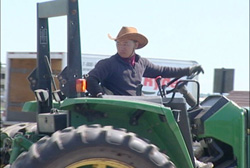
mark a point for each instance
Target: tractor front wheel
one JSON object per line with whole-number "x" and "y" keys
{"x": 93, "y": 147}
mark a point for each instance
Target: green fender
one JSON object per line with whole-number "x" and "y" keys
{"x": 228, "y": 125}
{"x": 156, "y": 124}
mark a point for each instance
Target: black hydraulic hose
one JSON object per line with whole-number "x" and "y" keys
{"x": 217, "y": 152}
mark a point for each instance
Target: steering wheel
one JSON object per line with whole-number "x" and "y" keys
{"x": 180, "y": 85}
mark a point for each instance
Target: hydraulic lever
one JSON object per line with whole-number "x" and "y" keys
{"x": 191, "y": 101}
{"x": 50, "y": 72}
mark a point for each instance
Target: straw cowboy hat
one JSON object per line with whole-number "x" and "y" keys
{"x": 130, "y": 33}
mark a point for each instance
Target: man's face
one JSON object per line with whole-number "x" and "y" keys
{"x": 126, "y": 48}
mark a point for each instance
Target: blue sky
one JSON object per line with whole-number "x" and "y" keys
{"x": 215, "y": 33}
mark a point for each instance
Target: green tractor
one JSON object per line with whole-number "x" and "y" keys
{"x": 74, "y": 130}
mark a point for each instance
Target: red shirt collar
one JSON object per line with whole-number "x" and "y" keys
{"x": 130, "y": 60}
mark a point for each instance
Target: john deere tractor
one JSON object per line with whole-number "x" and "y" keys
{"x": 75, "y": 130}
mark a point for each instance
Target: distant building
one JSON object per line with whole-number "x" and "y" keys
{"x": 2, "y": 86}
{"x": 240, "y": 97}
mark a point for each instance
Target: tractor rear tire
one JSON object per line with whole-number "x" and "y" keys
{"x": 92, "y": 146}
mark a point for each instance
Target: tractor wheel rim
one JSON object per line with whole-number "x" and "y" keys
{"x": 99, "y": 163}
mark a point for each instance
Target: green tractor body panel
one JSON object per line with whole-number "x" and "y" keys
{"x": 157, "y": 123}
{"x": 228, "y": 125}
{"x": 248, "y": 149}
{"x": 248, "y": 135}
{"x": 31, "y": 106}
{"x": 154, "y": 122}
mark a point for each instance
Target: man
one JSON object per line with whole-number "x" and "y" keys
{"x": 123, "y": 72}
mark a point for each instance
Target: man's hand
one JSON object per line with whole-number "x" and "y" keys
{"x": 196, "y": 69}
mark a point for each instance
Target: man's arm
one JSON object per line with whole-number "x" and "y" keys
{"x": 153, "y": 70}
{"x": 101, "y": 71}
{"x": 93, "y": 86}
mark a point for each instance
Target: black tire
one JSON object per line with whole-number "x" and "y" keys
{"x": 71, "y": 145}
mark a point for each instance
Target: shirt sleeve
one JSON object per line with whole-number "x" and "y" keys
{"x": 101, "y": 71}
{"x": 152, "y": 71}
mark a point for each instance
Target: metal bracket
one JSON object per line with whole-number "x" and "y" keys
{"x": 136, "y": 116}
{"x": 18, "y": 144}
{"x": 32, "y": 78}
